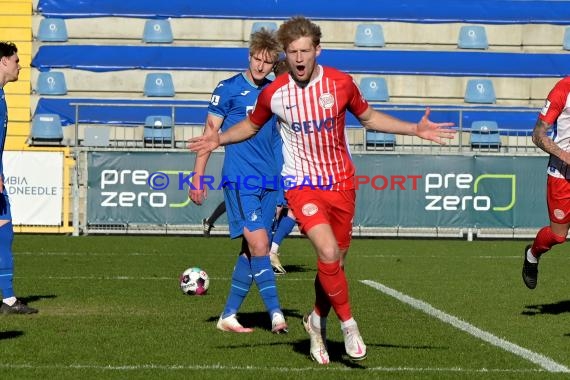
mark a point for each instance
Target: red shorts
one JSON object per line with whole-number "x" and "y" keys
{"x": 558, "y": 199}
{"x": 335, "y": 208}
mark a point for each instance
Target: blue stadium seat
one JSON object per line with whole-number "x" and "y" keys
{"x": 51, "y": 83}
{"x": 374, "y": 89}
{"x": 369, "y": 35}
{"x": 158, "y": 130}
{"x": 159, "y": 84}
{"x": 472, "y": 37}
{"x": 566, "y": 43}
{"x": 480, "y": 91}
{"x": 52, "y": 30}
{"x": 485, "y": 135}
{"x": 157, "y": 31}
{"x": 380, "y": 141}
{"x": 46, "y": 129}
{"x": 258, "y": 25}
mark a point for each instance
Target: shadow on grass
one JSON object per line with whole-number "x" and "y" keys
{"x": 260, "y": 320}
{"x": 335, "y": 349}
{"x": 10, "y": 334}
{"x": 37, "y": 297}
{"x": 548, "y": 308}
{"x": 298, "y": 268}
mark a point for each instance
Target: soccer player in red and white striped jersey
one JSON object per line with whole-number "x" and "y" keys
{"x": 555, "y": 114}
{"x": 311, "y": 102}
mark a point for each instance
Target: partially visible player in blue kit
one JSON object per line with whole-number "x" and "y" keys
{"x": 9, "y": 71}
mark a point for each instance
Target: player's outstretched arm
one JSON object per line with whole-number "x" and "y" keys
{"x": 425, "y": 128}
{"x": 541, "y": 139}
{"x": 206, "y": 143}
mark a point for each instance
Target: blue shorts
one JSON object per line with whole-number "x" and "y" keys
{"x": 249, "y": 208}
{"x": 5, "y": 213}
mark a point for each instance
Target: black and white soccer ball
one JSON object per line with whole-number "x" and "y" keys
{"x": 194, "y": 281}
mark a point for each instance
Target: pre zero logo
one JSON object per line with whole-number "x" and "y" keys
{"x": 462, "y": 191}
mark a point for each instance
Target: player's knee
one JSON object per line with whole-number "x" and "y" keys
{"x": 329, "y": 253}
{"x": 258, "y": 247}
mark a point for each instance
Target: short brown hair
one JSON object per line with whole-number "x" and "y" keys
{"x": 264, "y": 40}
{"x": 297, "y": 27}
{"x": 7, "y": 49}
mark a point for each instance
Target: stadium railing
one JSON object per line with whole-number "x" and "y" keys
{"x": 125, "y": 120}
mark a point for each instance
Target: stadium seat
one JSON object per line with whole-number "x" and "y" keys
{"x": 374, "y": 89}
{"x": 157, "y": 31}
{"x": 46, "y": 129}
{"x": 51, "y": 83}
{"x": 480, "y": 91}
{"x": 566, "y": 43}
{"x": 52, "y": 30}
{"x": 472, "y": 37}
{"x": 485, "y": 135}
{"x": 258, "y": 25}
{"x": 158, "y": 130}
{"x": 369, "y": 35}
{"x": 380, "y": 141}
{"x": 159, "y": 84}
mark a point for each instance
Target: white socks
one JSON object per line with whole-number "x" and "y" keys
{"x": 530, "y": 257}
{"x": 318, "y": 322}
{"x": 274, "y": 248}
{"x": 348, "y": 323}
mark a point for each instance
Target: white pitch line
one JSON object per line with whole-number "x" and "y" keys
{"x": 220, "y": 367}
{"x": 539, "y": 359}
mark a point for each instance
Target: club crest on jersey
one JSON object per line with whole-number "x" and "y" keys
{"x": 326, "y": 101}
{"x": 309, "y": 209}
{"x": 545, "y": 108}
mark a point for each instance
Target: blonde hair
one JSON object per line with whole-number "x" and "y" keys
{"x": 297, "y": 27}
{"x": 264, "y": 40}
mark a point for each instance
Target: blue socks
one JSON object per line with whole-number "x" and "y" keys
{"x": 284, "y": 228}
{"x": 6, "y": 260}
{"x": 241, "y": 282}
{"x": 265, "y": 279}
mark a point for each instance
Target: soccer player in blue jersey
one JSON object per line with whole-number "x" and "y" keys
{"x": 250, "y": 177}
{"x": 9, "y": 71}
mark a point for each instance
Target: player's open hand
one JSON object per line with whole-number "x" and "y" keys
{"x": 436, "y": 132}
{"x": 206, "y": 143}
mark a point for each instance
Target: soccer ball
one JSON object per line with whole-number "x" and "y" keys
{"x": 194, "y": 281}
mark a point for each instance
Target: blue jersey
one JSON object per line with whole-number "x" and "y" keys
{"x": 3, "y": 126}
{"x": 254, "y": 159}
{"x": 5, "y": 213}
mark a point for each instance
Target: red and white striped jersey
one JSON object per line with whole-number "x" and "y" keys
{"x": 312, "y": 125}
{"x": 556, "y": 111}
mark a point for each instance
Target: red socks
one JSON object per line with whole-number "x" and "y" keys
{"x": 544, "y": 240}
{"x": 333, "y": 290}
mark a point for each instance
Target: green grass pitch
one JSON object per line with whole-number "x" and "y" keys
{"x": 110, "y": 308}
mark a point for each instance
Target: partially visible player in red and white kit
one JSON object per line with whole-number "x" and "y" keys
{"x": 555, "y": 114}
{"x": 311, "y": 102}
